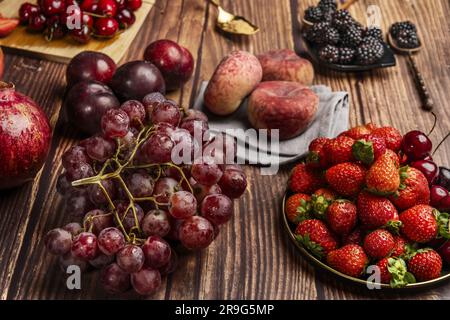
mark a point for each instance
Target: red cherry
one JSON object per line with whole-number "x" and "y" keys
{"x": 107, "y": 8}
{"x": 26, "y": 10}
{"x": 37, "y": 22}
{"x": 52, "y": 7}
{"x": 444, "y": 204}
{"x": 106, "y": 27}
{"x": 133, "y": 5}
{"x": 120, "y": 4}
{"x": 125, "y": 17}
{"x": 416, "y": 145}
{"x": 429, "y": 169}
{"x": 89, "y": 6}
{"x": 82, "y": 35}
{"x": 437, "y": 193}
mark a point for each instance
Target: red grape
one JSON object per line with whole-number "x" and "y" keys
{"x": 201, "y": 191}
{"x": 77, "y": 202}
{"x": 115, "y": 123}
{"x": 58, "y": 241}
{"x": 206, "y": 174}
{"x": 164, "y": 188}
{"x": 84, "y": 246}
{"x": 96, "y": 194}
{"x": 156, "y": 223}
{"x": 114, "y": 279}
{"x": 74, "y": 156}
{"x": 196, "y": 128}
{"x": 156, "y": 251}
{"x": 146, "y": 281}
{"x": 158, "y": 148}
{"x": 127, "y": 217}
{"x": 171, "y": 265}
{"x": 99, "y": 148}
{"x": 79, "y": 171}
{"x": 135, "y": 111}
{"x": 130, "y": 258}
{"x": 110, "y": 240}
{"x": 217, "y": 208}
{"x": 140, "y": 184}
{"x": 69, "y": 259}
{"x": 182, "y": 204}
{"x": 74, "y": 228}
{"x": 166, "y": 112}
{"x": 196, "y": 233}
{"x": 193, "y": 114}
{"x": 63, "y": 185}
{"x": 97, "y": 220}
{"x": 151, "y": 100}
{"x": 233, "y": 183}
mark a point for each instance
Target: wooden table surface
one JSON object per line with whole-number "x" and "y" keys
{"x": 252, "y": 258}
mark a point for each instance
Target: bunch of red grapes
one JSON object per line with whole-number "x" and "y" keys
{"x": 134, "y": 205}
{"x": 100, "y": 18}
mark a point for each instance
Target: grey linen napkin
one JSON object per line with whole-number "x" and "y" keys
{"x": 331, "y": 119}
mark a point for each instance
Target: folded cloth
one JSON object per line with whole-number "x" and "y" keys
{"x": 330, "y": 120}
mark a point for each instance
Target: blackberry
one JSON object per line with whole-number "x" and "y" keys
{"x": 370, "y": 41}
{"x": 313, "y": 14}
{"x": 374, "y": 32}
{"x": 407, "y": 39}
{"x": 351, "y": 37}
{"x": 327, "y": 5}
{"x": 329, "y": 53}
{"x": 346, "y": 55}
{"x": 343, "y": 20}
{"x": 328, "y": 36}
{"x": 368, "y": 54}
{"x": 315, "y": 32}
{"x": 402, "y": 26}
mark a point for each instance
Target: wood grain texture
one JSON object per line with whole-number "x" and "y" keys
{"x": 62, "y": 50}
{"x": 252, "y": 258}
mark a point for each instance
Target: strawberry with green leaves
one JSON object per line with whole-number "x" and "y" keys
{"x": 339, "y": 150}
{"x": 376, "y": 212}
{"x": 383, "y": 177}
{"x": 399, "y": 247}
{"x": 317, "y": 157}
{"x": 368, "y": 149}
{"x": 413, "y": 189}
{"x": 321, "y": 199}
{"x": 379, "y": 244}
{"x": 305, "y": 180}
{"x": 298, "y": 207}
{"x": 425, "y": 264}
{"x": 346, "y": 178}
{"x": 394, "y": 271}
{"x": 419, "y": 223}
{"x": 392, "y": 137}
{"x": 315, "y": 236}
{"x": 341, "y": 216}
{"x": 354, "y": 237}
{"x": 349, "y": 259}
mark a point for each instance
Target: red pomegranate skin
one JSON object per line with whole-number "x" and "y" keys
{"x": 25, "y": 137}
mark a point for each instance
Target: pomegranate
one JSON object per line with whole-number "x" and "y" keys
{"x": 25, "y": 137}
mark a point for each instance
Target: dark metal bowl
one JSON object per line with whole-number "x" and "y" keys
{"x": 289, "y": 227}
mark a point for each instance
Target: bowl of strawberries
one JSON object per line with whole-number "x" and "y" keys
{"x": 370, "y": 206}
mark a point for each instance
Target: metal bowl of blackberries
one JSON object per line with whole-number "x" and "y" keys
{"x": 334, "y": 39}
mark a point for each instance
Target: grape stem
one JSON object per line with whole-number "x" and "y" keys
{"x": 104, "y": 174}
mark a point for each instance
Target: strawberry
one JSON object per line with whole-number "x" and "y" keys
{"x": 383, "y": 177}
{"x": 355, "y": 237}
{"x": 341, "y": 216}
{"x": 413, "y": 189}
{"x": 305, "y": 180}
{"x": 391, "y": 136}
{"x": 315, "y": 236}
{"x": 298, "y": 207}
{"x": 419, "y": 223}
{"x": 321, "y": 199}
{"x": 379, "y": 243}
{"x": 346, "y": 178}
{"x": 7, "y": 26}
{"x": 399, "y": 247}
{"x": 359, "y": 132}
{"x": 368, "y": 149}
{"x": 376, "y": 212}
{"x": 425, "y": 265}
{"x": 394, "y": 272}
{"x": 350, "y": 259}
{"x": 339, "y": 150}
{"x": 317, "y": 157}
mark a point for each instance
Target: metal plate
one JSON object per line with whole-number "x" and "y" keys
{"x": 289, "y": 228}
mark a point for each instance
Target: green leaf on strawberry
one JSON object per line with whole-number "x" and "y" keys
{"x": 363, "y": 151}
{"x": 442, "y": 220}
{"x": 311, "y": 246}
{"x": 400, "y": 276}
{"x": 303, "y": 211}
{"x": 319, "y": 205}
{"x": 403, "y": 171}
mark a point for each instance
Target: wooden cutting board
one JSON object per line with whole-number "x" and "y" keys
{"x": 62, "y": 50}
